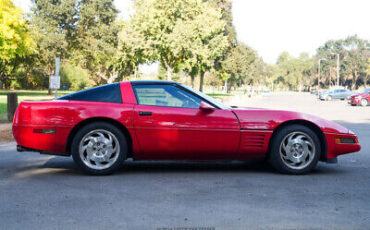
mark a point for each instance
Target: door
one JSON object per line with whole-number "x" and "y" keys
{"x": 336, "y": 94}
{"x": 169, "y": 125}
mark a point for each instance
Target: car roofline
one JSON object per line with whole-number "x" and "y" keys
{"x": 154, "y": 82}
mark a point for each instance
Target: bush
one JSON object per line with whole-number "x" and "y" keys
{"x": 73, "y": 77}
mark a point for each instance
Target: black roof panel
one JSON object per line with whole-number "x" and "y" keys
{"x": 152, "y": 82}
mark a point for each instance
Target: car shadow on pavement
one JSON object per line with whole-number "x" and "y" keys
{"x": 67, "y": 166}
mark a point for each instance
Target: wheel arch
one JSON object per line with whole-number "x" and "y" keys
{"x": 308, "y": 124}
{"x": 116, "y": 123}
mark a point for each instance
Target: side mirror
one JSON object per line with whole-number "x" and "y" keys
{"x": 206, "y": 107}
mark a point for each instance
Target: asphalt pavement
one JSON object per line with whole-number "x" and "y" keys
{"x": 49, "y": 192}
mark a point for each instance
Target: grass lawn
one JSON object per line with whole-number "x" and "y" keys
{"x": 3, "y": 104}
{"x": 32, "y": 92}
{"x": 219, "y": 95}
{"x": 24, "y": 95}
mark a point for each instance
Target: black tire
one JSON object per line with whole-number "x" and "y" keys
{"x": 364, "y": 102}
{"x": 275, "y": 158}
{"x": 109, "y": 128}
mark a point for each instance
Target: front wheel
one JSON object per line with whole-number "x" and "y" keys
{"x": 295, "y": 149}
{"x": 364, "y": 102}
{"x": 99, "y": 148}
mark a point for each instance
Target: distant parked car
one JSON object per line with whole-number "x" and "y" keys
{"x": 362, "y": 98}
{"x": 313, "y": 91}
{"x": 266, "y": 92}
{"x": 335, "y": 94}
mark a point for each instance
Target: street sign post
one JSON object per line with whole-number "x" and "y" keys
{"x": 54, "y": 81}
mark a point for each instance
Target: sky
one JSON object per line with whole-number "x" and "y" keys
{"x": 274, "y": 26}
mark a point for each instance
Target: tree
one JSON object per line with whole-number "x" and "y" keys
{"x": 84, "y": 32}
{"x": 294, "y": 72}
{"x": 206, "y": 40}
{"x": 53, "y": 27}
{"x": 97, "y": 39}
{"x": 177, "y": 31}
{"x": 15, "y": 42}
{"x": 132, "y": 49}
{"x": 353, "y": 53}
{"x": 238, "y": 63}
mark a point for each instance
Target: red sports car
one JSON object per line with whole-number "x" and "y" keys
{"x": 362, "y": 98}
{"x": 163, "y": 120}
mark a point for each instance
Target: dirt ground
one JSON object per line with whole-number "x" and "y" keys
{"x": 6, "y": 133}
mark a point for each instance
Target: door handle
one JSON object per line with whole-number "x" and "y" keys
{"x": 145, "y": 113}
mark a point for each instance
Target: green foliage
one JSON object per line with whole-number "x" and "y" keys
{"x": 293, "y": 72}
{"x": 175, "y": 32}
{"x": 238, "y": 64}
{"x": 73, "y": 77}
{"x": 353, "y": 54}
{"x": 82, "y": 32}
{"x": 15, "y": 42}
{"x": 96, "y": 39}
{"x": 192, "y": 38}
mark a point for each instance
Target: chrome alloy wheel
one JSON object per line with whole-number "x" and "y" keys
{"x": 297, "y": 150}
{"x": 99, "y": 149}
{"x": 363, "y": 102}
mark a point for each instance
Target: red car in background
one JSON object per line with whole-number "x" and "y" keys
{"x": 362, "y": 98}
{"x": 163, "y": 120}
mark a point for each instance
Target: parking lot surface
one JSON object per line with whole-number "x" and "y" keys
{"x": 49, "y": 192}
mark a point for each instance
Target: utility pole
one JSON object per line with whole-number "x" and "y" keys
{"x": 319, "y": 79}
{"x": 337, "y": 68}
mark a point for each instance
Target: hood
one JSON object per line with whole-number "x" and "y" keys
{"x": 267, "y": 119}
{"x": 357, "y": 95}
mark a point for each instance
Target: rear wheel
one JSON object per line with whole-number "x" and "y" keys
{"x": 99, "y": 148}
{"x": 364, "y": 102}
{"x": 295, "y": 149}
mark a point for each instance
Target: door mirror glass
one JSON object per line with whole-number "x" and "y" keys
{"x": 205, "y": 106}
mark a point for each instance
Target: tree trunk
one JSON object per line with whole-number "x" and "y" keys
{"x": 169, "y": 73}
{"x": 201, "y": 81}
{"x": 225, "y": 87}
{"x": 192, "y": 81}
{"x": 1, "y": 84}
{"x": 353, "y": 86}
{"x": 135, "y": 73}
{"x": 229, "y": 87}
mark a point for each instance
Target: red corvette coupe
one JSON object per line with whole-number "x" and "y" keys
{"x": 162, "y": 120}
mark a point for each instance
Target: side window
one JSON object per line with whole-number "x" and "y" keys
{"x": 106, "y": 93}
{"x": 336, "y": 91}
{"x": 165, "y": 95}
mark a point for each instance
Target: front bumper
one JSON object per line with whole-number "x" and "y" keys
{"x": 334, "y": 149}
{"x": 354, "y": 101}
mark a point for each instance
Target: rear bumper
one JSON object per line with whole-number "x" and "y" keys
{"x": 334, "y": 149}
{"x": 29, "y": 138}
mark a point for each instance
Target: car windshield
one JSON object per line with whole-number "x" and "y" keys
{"x": 208, "y": 98}
{"x": 364, "y": 90}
